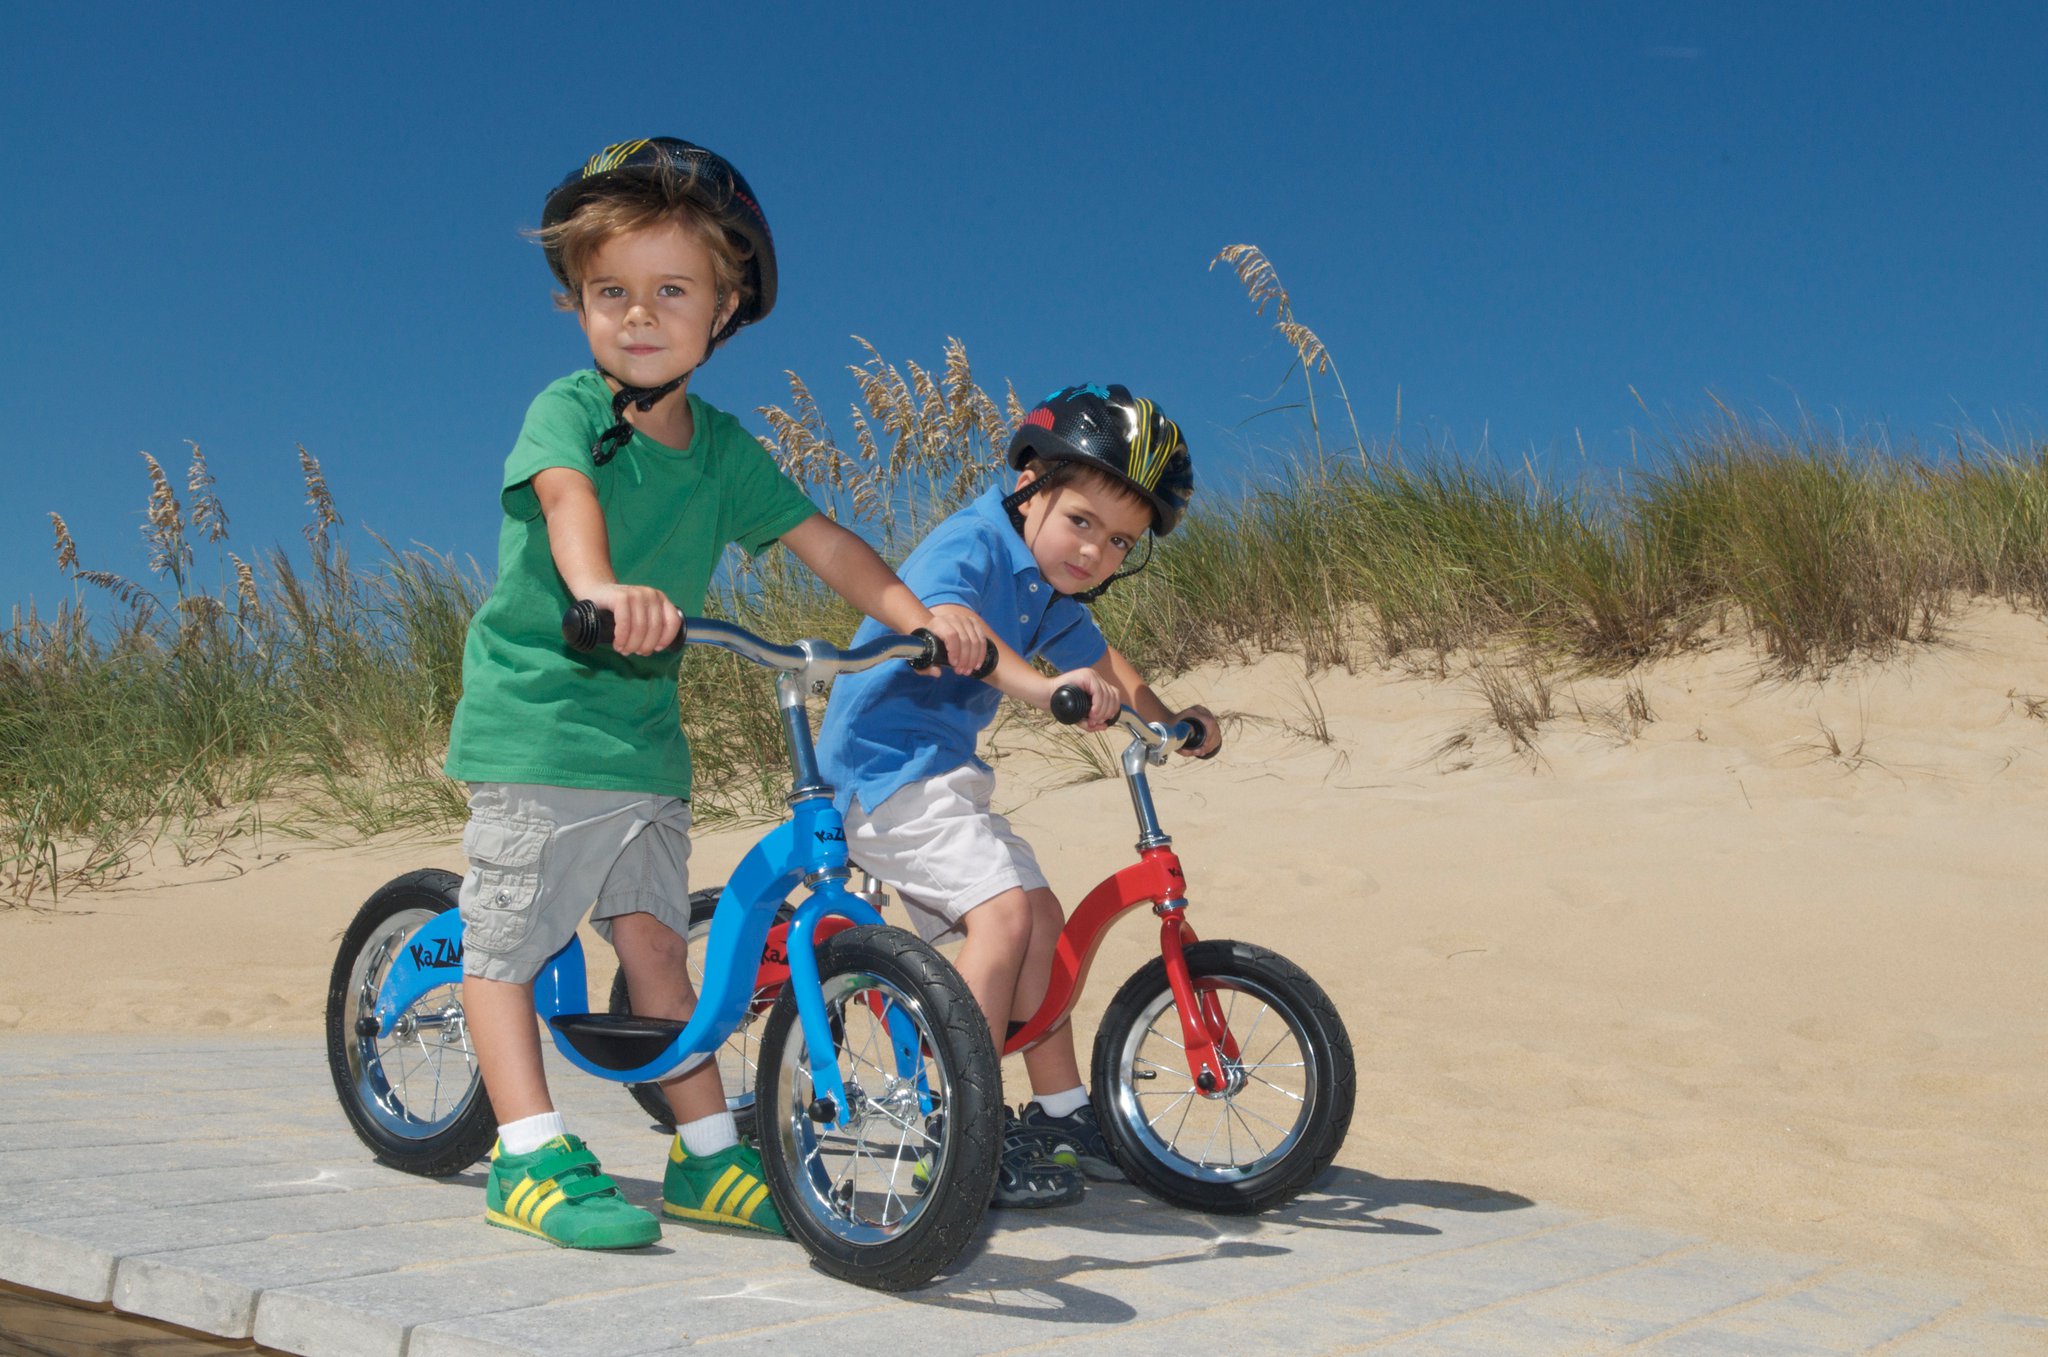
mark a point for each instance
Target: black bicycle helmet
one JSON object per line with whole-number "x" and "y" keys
{"x": 1111, "y": 430}
{"x": 710, "y": 181}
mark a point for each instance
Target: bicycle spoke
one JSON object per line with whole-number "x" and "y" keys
{"x": 1270, "y": 1049}
{"x": 1244, "y": 1113}
{"x": 1207, "y": 1145}
{"x": 1283, "y": 1092}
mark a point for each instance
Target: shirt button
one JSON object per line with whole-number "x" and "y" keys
{"x": 1024, "y": 617}
{"x": 1034, "y": 588}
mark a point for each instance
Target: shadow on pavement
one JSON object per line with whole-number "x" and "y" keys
{"x": 993, "y": 1282}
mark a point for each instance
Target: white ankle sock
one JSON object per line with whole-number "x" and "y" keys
{"x": 1063, "y": 1104}
{"x": 530, "y": 1133}
{"x": 709, "y": 1135}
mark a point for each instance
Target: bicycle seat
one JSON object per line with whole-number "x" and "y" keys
{"x": 617, "y": 1041}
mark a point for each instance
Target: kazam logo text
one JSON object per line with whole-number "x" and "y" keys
{"x": 439, "y": 952}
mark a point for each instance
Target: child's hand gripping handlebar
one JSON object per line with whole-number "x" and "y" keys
{"x": 1070, "y": 707}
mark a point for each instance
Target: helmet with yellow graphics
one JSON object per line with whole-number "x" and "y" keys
{"x": 706, "y": 178}
{"x": 1112, "y": 431}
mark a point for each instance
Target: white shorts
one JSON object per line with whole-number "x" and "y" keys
{"x": 939, "y": 847}
{"x": 539, "y": 856}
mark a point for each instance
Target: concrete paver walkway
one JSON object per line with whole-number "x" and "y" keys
{"x": 212, "y": 1183}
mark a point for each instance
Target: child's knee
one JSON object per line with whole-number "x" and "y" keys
{"x": 644, "y": 935}
{"x": 1047, "y": 918}
{"x": 1007, "y": 920}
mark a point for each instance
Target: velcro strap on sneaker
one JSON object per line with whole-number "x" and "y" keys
{"x": 586, "y": 1185}
{"x": 561, "y": 1163}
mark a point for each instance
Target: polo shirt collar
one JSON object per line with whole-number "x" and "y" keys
{"x": 989, "y": 504}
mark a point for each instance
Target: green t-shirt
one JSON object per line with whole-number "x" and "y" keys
{"x": 534, "y": 711}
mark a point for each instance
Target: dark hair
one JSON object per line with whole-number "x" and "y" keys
{"x": 1066, "y": 470}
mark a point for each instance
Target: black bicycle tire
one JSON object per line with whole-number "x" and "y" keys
{"x": 471, "y": 1135}
{"x": 963, "y": 1177}
{"x": 1311, "y": 1014}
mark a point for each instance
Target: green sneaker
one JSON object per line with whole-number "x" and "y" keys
{"x": 558, "y": 1193}
{"x": 719, "y": 1189}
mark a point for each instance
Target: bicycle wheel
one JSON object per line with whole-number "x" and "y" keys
{"x": 739, "y": 1056}
{"x": 895, "y": 1193}
{"x": 1283, "y": 1112}
{"x": 415, "y": 1096}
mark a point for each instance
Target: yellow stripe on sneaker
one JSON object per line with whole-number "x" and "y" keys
{"x": 523, "y": 1196}
{"x": 547, "y": 1204}
{"x": 732, "y": 1175}
{"x": 754, "y": 1200}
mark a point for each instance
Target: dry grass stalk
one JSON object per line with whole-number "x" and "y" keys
{"x": 923, "y": 442}
{"x": 209, "y": 517}
{"x": 67, "y": 550}
{"x": 164, "y": 527}
{"x": 245, "y": 586}
{"x": 1518, "y": 698}
{"x": 320, "y": 501}
{"x": 1262, "y": 286}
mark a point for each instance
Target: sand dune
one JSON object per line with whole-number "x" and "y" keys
{"x": 1766, "y": 965}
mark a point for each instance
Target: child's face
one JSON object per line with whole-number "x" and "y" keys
{"x": 1080, "y": 531}
{"x": 648, "y": 305}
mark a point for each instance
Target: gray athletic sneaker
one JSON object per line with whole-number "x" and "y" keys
{"x": 1027, "y": 1174}
{"x": 1074, "y": 1140}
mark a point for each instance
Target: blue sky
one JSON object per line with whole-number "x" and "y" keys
{"x": 257, "y": 226}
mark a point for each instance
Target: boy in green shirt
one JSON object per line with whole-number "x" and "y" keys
{"x": 624, "y": 489}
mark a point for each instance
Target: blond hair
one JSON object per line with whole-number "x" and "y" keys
{"x": 634, "y": 203}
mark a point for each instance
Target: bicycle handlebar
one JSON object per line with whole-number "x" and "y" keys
{"x": 1070, "y": 706}
{"x": 586, "y": 626}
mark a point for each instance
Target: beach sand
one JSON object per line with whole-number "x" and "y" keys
{"x": 1768, "y": 968}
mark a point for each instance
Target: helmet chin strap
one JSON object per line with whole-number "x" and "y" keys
{"x": 620, "y": 433}
{"x": 641, "y": 398}
{"x": 1090, "y": 595}
{"x": 1013, "y": 505}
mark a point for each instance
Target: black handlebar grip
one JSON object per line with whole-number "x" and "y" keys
{"x": 1200, "y": 737}
{"x": 1070, "y": 704}
{"x": 586, "y": 626}
{"x": 935, "y": 654}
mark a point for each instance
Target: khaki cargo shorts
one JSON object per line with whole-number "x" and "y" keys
{"x": 540, "y": 856}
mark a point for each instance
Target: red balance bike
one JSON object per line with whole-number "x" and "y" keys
{"x": 1222, "y": 1074}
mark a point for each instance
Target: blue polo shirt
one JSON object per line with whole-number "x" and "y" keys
{"x": 887, "y": 727}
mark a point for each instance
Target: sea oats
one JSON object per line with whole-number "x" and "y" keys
{"x": 209, "y": 518}
{"x": 67, "y": 550}
{"x": 1261, "y": 281}
{"x": 1306, "y": 346}
{"x": 245, "y": 586}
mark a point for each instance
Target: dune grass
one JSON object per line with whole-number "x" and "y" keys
{"x": 311, "y": 693}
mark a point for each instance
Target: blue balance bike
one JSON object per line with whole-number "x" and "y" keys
{"x": 876, "y": 1091}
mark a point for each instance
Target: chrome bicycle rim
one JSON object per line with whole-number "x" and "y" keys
{"x": 860, "y": 1178}
{"x": 418, "y": 1081}
{"x": 1262, "y": 1113}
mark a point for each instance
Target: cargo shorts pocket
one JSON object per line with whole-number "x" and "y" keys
{"x": 503, "y": 882}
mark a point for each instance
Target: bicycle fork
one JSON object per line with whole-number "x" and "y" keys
{"x": 1212, "y": 1052}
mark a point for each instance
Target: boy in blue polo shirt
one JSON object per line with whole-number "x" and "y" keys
{"x": 1097, "y": 470}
